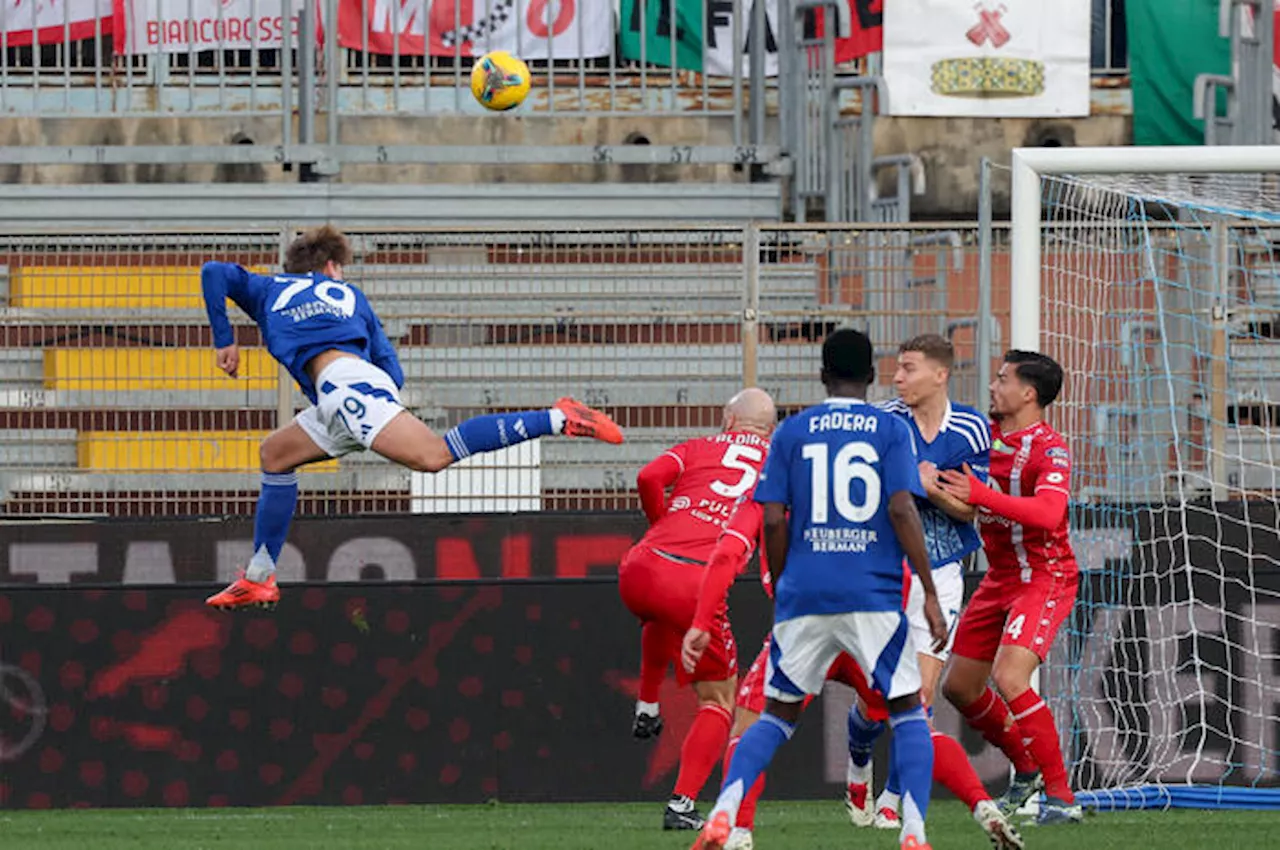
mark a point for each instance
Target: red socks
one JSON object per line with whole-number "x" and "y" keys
{"x": 1032, "y": 717}
{"x": 951, "y": 768}
{"x": 747, "y": 810}
{"x": 990, "y": 716}
{"x": 702, "y": 749}
{"x": 655, "y": 656}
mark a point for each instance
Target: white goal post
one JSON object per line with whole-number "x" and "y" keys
{"x": 1153, "y": 276}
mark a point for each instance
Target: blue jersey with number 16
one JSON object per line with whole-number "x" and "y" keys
{"x": 835, "y": 466}
{"x": 300, "y": 316}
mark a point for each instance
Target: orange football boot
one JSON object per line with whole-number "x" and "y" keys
{"x": 911, "y": 844}
{"x": 716, "y": 833}
{"x": 583, "y": 421}
{"x": 243, "y": 593}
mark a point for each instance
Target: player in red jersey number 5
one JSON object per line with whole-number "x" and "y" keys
{"x": 660, "y": 577}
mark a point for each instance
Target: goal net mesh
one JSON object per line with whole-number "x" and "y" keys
{"x": 1160, "y": 296}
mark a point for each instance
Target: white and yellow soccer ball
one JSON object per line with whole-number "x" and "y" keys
{"x": 500, "y": 81}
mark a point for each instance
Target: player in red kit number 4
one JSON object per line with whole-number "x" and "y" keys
{"x": 1029, "y": 588}
{"x": 660, "y": 577}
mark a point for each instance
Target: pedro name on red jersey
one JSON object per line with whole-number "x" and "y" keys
{"x": 714, "y": 473}
{"x": 1022, "y": 464}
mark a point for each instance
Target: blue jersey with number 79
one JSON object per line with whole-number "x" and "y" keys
{"x": 835, "y": 466}
{"x": 300, "y": 316}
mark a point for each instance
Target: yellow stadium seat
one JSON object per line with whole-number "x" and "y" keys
{"x": 175, "y": 451}
{"x": 119, "y": 369}
{"x": 106, "y": 287}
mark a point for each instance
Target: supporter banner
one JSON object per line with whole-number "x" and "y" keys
{"x": 1170, "y": 44}
{"x": 702, "y": 30}
{"x": 182, "y": 26}
{"x": 957, "y": 57}
{"x": 52, "y": 23}
{"x": 375, "y": 694}
{"x": 859, "y": 31}
{"x": 530, "y": 29}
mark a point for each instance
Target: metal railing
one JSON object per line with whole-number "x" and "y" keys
{"x": 110, "y": 402}
{"x": 88, "y": 76}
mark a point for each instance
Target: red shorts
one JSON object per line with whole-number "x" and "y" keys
{"x": 843, "y": 670}
{"x": 664, "y": 594}
{"x": 1006, "y": 611}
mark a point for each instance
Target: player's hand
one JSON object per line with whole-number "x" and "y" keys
{"x": 928, "y": 475}
{"x": 937, "y": 622}
{"x": 958, "y": 483}
{"x": 228, "y": 359}
{"x": 695, "y": 643}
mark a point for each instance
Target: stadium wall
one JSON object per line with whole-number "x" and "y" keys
{"x": 475, "y": 687}
{"x": 949, "y": 148}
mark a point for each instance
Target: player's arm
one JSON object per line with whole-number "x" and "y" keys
{"x": 381, "y": 351}
{"x": 220, "y": 281}
{"x": 776, "y": 539}
{"x": 655, "y": 478}
{"x": 773, "y": 493}
{"x": 978, "y": 462}
{"x": 944, "y": 501}
{"x": 730, "y": 555}
{"x": 1043, "y": 510}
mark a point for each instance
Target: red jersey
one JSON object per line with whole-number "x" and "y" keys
{"x": 731, "y": 553}
{"x": 1023, "y": 464}
{"x": 707, "y": 476}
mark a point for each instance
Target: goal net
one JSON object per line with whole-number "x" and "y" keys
{"x": 1153, "y": 277}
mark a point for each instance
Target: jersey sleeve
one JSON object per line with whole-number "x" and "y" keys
{"x": 220, "y": 281}
{"x": 745, "y": 523}
{"x": 775, "y": 486}
{"x": 731, "y": 554}
{"x": 654, "y": 479}
{"x": 900, "y": 467}
{"x": 1050, "y": 462}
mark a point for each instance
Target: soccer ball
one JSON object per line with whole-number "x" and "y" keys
{"x": 499, "y": 80}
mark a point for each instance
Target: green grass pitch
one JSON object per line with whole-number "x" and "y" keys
{"x": 631, "y": 826}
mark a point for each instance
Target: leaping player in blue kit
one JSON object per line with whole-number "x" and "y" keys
{"x": 847, "y": 473}
{"x": 323, "y": 330}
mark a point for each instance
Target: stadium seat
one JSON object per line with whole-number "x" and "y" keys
{"x": 175, "y": 451}
{"x": 118, "y": 369}
{"x": 105, "y": 287}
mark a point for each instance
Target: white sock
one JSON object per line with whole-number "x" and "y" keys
{"x": 730, "y": 800}
{"x": 557, "y": 421}
{"x": 649, "y": 709}
{"x": 260, "y": 566}
{"x": 858, "y": 775}
{"x": 912, "y": 822}
{"x": 887, "y": 800}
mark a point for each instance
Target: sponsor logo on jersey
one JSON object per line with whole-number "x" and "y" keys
{"x": 1057, "y": 461}
{"x": 1056, "y": 451}
{"x": 679, "y": 503}
{"x": 1054, "y": 478}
